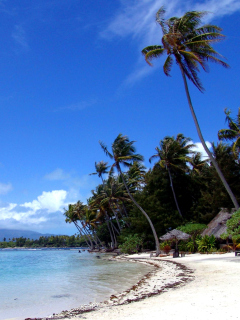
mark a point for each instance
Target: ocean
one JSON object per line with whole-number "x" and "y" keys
{"x": 38, "y": 283}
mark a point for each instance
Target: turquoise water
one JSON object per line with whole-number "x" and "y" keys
{"x": 37, "y": 283}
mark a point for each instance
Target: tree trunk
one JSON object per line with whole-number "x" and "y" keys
{"x": 87, "y": 235}
{"x": 141, "y": 209}
{"x": 110, "y": 232}
{"x": 214, "y": 162}
{"x": 82, "y": 235}
{"x": 174, "y": 195}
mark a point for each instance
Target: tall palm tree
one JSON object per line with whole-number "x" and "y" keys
{"x": 123, "y": 152}
{"x": 233, "y": 133}
{"x": 173, "y": 154}
{"x": 190, "y": 45}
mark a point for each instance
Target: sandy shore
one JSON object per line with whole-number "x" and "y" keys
{"x": 193, "y": 287}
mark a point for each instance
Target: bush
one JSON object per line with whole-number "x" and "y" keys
{"x": 206, "y": 244}
{"x": 233, "y": 227}
{"x": 132, "y": 244}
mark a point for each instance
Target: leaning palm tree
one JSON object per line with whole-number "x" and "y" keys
{"x": 190, "y": 45}
{"x": 233, "y": 133}
{"x": 123, "y": 152}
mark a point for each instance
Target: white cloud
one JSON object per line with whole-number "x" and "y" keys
{"x": 51, "y": 201}
{"x": 5, "y": 188}
{"x": 45, "y": 208}
{"x": 199, "y": 148}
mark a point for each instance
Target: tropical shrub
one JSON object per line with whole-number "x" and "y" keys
{"x": 233, "y": 227}
{"x": 206, "y": 243}
{"x": 132, "y": 244}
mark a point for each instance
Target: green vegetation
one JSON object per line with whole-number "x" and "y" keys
{"x": 188, "y": 42}
{"x": 233, "y": 227}
{"x": 45, "y": 242}
{"x": 110, "y": 216}
{"x": 131, "y": 244}
{"x": 181, "y": 190}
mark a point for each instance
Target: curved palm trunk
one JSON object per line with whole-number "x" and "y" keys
{"x": 174, "y": 195}
{"x": 119, "y": 209}
{"x": 214, "y": 162}
{"x": 110, "y": 232}
{"x": 110, "y": 204}
{"x": 87, "y": 235}
{"x": 115, "y": 213}
{"x": 91, "y": 235}
{"x": 141, "y": 209}
{"x": 98, "y": 239}
{"x": 82, "y": 234}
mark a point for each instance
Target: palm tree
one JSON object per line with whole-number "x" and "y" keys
{"x": 173, "y": 154}
{"x": 190, "y": 45}
{"x": 233, "y": 132}
{"x": 101, "y": 168}
{"x": 123, "y": 152}
{"x": 72, "y": 216}
{"x": 197, "y": 164}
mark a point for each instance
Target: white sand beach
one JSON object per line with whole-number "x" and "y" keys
{"x": 210, "y": 291}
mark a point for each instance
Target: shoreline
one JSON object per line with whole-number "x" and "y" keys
{"x": 210, "y": 291}
{"x": 166, "y": 274}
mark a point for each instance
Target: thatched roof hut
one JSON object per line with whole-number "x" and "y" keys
{"x": 218, "y": 224}
{"x": 175, "y": 235}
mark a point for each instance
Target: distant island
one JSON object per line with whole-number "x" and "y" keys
{"x": 10, "y": 238}
{"x": 9, "y": 234}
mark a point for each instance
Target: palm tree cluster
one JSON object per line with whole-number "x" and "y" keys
{"x": 181, "y": 186}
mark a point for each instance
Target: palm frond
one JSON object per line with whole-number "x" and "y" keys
{"x": 168, "y": 65}
{"x": 160, "y": 20}
{"x": 105, "y": 150}
{"x": 227, "y": 134}
{"x": 152, "y": 52}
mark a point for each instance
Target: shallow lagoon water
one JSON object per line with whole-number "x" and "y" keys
{"x": 37, "y": 283}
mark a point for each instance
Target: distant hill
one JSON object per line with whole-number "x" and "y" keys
{"x": 11, "y": 233}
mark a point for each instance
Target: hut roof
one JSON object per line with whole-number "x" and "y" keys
{"x": 175, "y": 234}
{"x": 218, "y": 225}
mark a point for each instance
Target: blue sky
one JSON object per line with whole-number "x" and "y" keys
{"x": 71, "y": 74}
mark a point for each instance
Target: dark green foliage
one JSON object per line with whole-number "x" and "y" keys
{"x": 131, "y": 244}
{"x": 193, "y": 229}
{"x": 233, "y": 227}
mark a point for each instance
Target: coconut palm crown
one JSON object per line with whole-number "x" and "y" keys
{"x": 188, "y": 42}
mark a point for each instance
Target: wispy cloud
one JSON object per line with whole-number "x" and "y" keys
{"x": 57, "y": 175}
{"x": 79, "y": 188}
{"x": 5, "y": 188}
{"x": 19, "y": 36}
{"x": 136, "y": 20}
{"x": 79, "y": 105}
